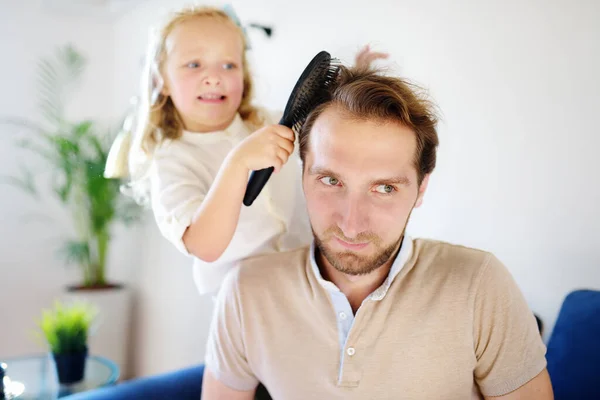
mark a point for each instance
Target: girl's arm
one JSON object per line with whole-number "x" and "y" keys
{"x": 216, "y": 219}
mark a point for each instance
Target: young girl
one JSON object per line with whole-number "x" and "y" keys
{"x": 198, "y": 139}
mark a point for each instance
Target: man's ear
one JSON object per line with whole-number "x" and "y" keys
{"x": 422, "y": 190}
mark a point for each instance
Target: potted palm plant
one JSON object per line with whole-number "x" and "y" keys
{"x": 75, "y": 153}
{"x": 65, "y": 329}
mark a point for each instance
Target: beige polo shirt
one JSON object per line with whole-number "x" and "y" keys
{"x": 449, "y": 322}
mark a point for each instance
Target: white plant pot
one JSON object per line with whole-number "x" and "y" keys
{"x": 109, "y": 336}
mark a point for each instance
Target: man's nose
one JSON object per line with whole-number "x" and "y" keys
{"x": 353, "y": 218}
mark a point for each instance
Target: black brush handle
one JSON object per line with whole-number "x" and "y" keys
{"x": 258, "y": 180}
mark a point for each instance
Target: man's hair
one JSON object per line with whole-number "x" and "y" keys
{"x": 365, "y": 94}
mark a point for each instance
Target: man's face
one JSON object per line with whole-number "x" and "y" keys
{"x": 361, "y": 185}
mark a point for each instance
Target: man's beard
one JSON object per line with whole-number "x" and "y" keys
{"x": 350, "y": 263}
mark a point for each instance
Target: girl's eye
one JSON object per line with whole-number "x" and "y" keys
{"x": 385, "y": 189}
{"x": 229, "y": 66}
{"x": 193, "y": 65}
{"x": 329, "y": 181}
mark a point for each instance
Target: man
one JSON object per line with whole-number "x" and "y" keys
{"x": 367, "y": 312}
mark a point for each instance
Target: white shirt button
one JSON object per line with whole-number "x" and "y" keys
{"x": 350, "y": 351}
{"x": 343, "y": 315}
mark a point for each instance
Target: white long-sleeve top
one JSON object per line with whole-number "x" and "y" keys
{"x": 181, "y": 174}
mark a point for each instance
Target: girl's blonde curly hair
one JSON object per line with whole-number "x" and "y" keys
{"x": 157, "y": 118}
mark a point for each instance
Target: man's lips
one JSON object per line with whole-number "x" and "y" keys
{"x": 351, "y": 246}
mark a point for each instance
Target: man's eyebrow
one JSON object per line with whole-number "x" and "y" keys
{"x": 321, "y": 171}
{"x": 393, "y": 180}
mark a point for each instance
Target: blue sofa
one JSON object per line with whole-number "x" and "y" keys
{"x": 574, "y": 347}
{"x": 181, "y": 385}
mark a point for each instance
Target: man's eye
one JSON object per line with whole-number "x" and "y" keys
{"x": 193, "y": 65}
{"x": 329, "y": 181}
{"x": 385, "y": 189}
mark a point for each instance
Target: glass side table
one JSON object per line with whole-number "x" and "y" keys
{"x": 34, "y": 377}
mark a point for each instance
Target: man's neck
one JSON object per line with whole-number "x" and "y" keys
{"x": 356, "y": 288}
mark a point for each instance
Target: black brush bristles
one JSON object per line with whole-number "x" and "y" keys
{"x": 313, "y": 95}
{"x": 311, "y": 90}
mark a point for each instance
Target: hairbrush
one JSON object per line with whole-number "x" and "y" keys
{"x": 310, "y": 91}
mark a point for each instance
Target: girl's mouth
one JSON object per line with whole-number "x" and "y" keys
{"x": 212, "y": 98}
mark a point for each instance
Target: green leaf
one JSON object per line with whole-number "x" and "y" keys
{"x": 24, "y": 123}
{"x": 50, "y": 110}
{"x": 46, "y": 71}
{"x": 56, "y": 77}
{"x": 82, "y": 128}
{"x": 101, "y": 154}
{"x": 49, "y": 93}
{"x": 76, "y": 252}
{"x": 25, "y": 183}
{"x": 129, "y": 212}
{"x": 65, "y": 146}
{"x": 63, "y": 189}
{"x": 102, "y": 194}
{"x": 41, "y": 151}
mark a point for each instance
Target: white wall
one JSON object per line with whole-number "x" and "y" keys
{"x": 31, "y": 275}
{"x": 518, "y": 88}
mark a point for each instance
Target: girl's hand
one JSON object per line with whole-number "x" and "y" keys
{"x": 365, "y": 57}
{"x": 269, "y": 146}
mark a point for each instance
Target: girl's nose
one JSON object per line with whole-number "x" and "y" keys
{"x": 212, "y": 80}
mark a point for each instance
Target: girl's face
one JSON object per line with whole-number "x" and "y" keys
{"x": 203, "y": 73}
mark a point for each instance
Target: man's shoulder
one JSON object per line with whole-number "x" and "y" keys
{"x": 445, "y": 248}
{"x": 271, "y": 269}
{"x": 454, "y": 258}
